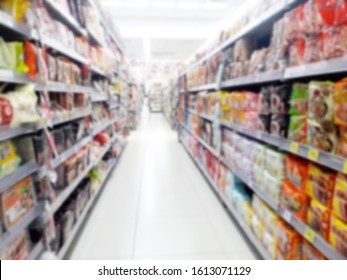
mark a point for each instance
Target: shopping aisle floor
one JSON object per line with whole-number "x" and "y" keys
{"x": 157, "y": 205}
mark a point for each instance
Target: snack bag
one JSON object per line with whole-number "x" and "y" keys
{"x": 295, "y": 201}
{"x": 320, "y": 184}
{"x": 296, "y": 172}
{"x": 311, "y": 253}
{"x": 338, "y": 235}
{"x": 340, "y": 197}
{"x": 298, "y": 126}
{"x": 322, "y": 136}
{"x": 17, "y": 201}
{"x": 288, "y": 242}
{"x": 318, "y": 218}
{"x": 299, "y": 100}
{"x": 321, "y": 101}
{"x": 340, "y": 103}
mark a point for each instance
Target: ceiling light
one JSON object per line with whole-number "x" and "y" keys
{"x": 163, "y": 4}
{"x": 137, "y": 3}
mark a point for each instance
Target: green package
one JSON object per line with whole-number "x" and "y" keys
{"x": 299, "y": 100}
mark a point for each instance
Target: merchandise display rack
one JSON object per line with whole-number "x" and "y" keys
{"x": 31, "y": 169}
{"x": 288, "y": 74}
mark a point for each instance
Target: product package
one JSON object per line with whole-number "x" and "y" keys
{"x": 340, "y": 197}
{"x": 298, "y": 129}
{"x": 318, "y": 217}
{"x": 338, "y": 235}
{"x": 323, "y": 136}
{"x": 299, "y": 100}
{"x": 9, "y": 160}
{"x": 296, "y": 172}
{"x": 340, "y": 103}
{"x": 288, "y": 242}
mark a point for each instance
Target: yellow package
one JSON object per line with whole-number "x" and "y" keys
{"x": 247, "y": 213}
{"x": 15, "y": 8}
{"x": 225, "y": 106}
{"x": 340, "y": 197}
{"x": 9, "y": 160}
{"x": 340, "y": 103}
{"x": 338, "y": 235}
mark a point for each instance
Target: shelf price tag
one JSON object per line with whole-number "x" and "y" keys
{"x": 313, "y": 154}
{"x": 294, "y": 147}
{"x": 309, "y": 234}
{"x": 345, "y": 167}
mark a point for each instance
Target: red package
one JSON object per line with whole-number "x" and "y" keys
{"x": 296, "y": 172}
{"x": 327, "y": 10}
{"x": 313, "y": 23}
{"x": 318, "y": 218}
{"x": 335, "y": 42}
{"x": 296, "y": 53}
{"x": 30, "y": 58}
{"x": 313, "y": 49}
{"x": 340, "y": 12}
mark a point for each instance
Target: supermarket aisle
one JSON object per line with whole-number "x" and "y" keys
{"x": 157, "y": 205}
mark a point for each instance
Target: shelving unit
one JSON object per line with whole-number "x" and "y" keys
{"x": 55, "y": 47}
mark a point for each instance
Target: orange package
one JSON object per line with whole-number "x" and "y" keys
{"x": 310, "y": 253}
{"x": 338, "y": 235}
{"x": 342, "y": 145}
{"x": 320, "y": 184}
{"x": 30, "y": 58}
{"x": 340, "y": 197}
{"x": 16, "y": 202}
{"x": 318, "y": 217}
{"x": 297, "y": 172}
{"x": 295, "y": 201}
{"x": 288, "y": 242}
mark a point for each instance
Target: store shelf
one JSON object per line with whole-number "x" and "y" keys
{"x": 9, "y": 76}
{"x": 201, "y": 115}
{"x": 9, "y": 132}
{"x": 93, "y": 37}
{"x": 254, "y": 79}
{"x": 101, "y": 127}
{"x": 64, "y": 16}
{"x": 250, "y": 235}
{"x": 98, "y": 71}
{"x": 204, "y": 88}
{"x": 63, "y": 195}
{"x": 312, "y": 154}
{"x": 67, "y": 51}
{"x": 253, "y": 26}
{"x": 18, "y": 175}
{"x": 68, "y": 117}
{"x": 36, "y": 251}
{"x": 98, "y": 97}
{"x": 201, "y": 141}
{"x": 13, "y": 233}
{"x": 332, "y": 66}
{"x": 70, "y": 152}
{"x": 7, "y": 21}
{"x": 63, "y": 251}
{"x": 60, "y": 87}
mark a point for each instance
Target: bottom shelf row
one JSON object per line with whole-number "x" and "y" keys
{"x": 58, "y": 234}
{"x": 266, "y": 229}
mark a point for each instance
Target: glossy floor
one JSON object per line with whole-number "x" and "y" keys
{"x": 157, "y": 205}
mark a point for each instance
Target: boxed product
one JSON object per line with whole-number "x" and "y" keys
{"x": 288, "y": 242}
{"x": 340, "y": 103}
{"x": 16, "y": 202}
{"x": 321, "y": 101}
{"x": 295, "y": 201}
{"x": 299, "y": 100}
{"x": 280, "y": 99}
{"x": 318, "y": 217}
{"x": 279, "y": 125}
{"x": 264, "y": 102}
{"x": 298, "y": 126}
{"x": 311, "y": 253}
{"x": 340, "y": 197}
{"x": 296, "y": 172}
{"x": 320, "y": 184}
{"x": 18, "y": 249}
{"x": 271, "y": 220}
{"x": 335, "y": 42}
{"x": 259, "y": 208}
{"x": 322, "y": 136}
{"x": 342, "y": 145}
{"x": 274, "y": 163}
{"x": 272, "y": 186}
{"x": 269, "y": 243}
{"x": 338, "y": 235}
{"x": 9, "y": 160}
{"x": 258, "y": 228}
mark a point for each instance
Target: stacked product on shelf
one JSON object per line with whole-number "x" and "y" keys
{"x": 58, "y": 122}
{"x": 272, "y": 142}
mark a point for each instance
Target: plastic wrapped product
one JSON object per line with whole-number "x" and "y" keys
{"x": 299, "y": 100}
{"x": 322, "y": 136}
{"x": 16, "y": 202}
{"x": 259, "y": 152}
{"x": 264, "y": 123}
{"x": 297, "y": 53}
{"x": 274, "y": 163}
{"x": 313, "y": 23}
{"x": 338, "y": 235}
{"x": 288, "y": 242}
{"x": 258, "y": 177}
{"x": 269, "y": 243}
{"x": 340, "y": 103}
{"x": 318, "y": 218}
{"x": 295, "y": 201}
{"x": 279, "y": 125}
{"x": 311, "y": 253}
{"x": 296, "y": 172}
{"x": 271, "y": 220}
{"x": 321, "y": 101}
{"x": 258, "y": 228}
{"x": 335, "y": 42}
{"x": 18, "y": 249}
{"x": 258, "y": 60}
{"x": 340, "y": 197}
{"x": 280, "y": 99}
{"x": 320, "y": 184}
{"x": 258, "y": 207}
{"x": 291, "y": 27}
{"x": 264, "y": 105}
{"x": 242, "y": 50}
{"x": 9, "y": 160}
{"x": 298, "y": 127}
{"x": 272, "y": 186}
{"x": 314, "y": 49}
{"x": 30, "y": 58}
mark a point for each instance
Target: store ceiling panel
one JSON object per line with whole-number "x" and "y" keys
{"x": 174, "y": 21}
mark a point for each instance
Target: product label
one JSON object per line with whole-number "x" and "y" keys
{"x": 6, "y": 112}
{"x": 294, "y": 147}
{"x": 345, "y": 167}
{"x": 309, "y": 234}
{"x": 313, "y": 154}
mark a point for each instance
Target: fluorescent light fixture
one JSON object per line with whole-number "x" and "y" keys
{"x": 163, "y": 4}
{"x": 112, "y": 3}
{"x": 189, "y": 5}
{"x": 137, "y": 3}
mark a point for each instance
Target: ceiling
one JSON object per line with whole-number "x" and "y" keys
{"x": 168, "y": 29}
